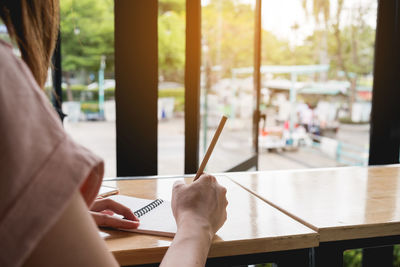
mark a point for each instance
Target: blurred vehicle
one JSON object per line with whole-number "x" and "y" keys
{"x": 280, "y": 137}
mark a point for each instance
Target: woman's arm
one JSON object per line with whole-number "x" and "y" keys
{"x": 73, "y": 241}
{"x": 190, "y": 246}
{"x": 199, "y": 210}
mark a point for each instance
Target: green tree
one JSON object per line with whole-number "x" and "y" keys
{"x": 278, "y": 52}
{"x": 320, "y": 8}
{"x": 177, "y": 6}
{"x": 171, "y": 39}
{"x": 171, "y": 45}
{"x": 228, "y": 34}
{"x": 354, "y": 46}
{"x": 87, "y": 33}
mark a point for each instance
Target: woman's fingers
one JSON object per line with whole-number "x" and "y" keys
{"x": 178, "y": 184}
{"x": 108, "y": 212}
{"x": 109, "y": 204}
{"x": 206, "y": 178}
{"x": 106, "y": 220}
{"x": 103, "y": 209}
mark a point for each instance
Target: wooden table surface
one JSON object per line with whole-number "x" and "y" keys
{"x": 338, "y": 203}
{"x": 252, "y": 226}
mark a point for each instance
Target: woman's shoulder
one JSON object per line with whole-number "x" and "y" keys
{"x": 6, "y": 54}
{"x": 15, "y": 76}
{"x": 4, "y": 44}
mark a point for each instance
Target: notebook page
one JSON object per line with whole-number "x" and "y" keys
{"x": 158, "y": 221}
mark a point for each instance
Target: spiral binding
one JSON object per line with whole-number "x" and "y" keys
{"x": 148, "y": 207}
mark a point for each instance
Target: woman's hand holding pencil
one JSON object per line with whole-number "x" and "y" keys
{"x": 202, "y": 204}
{"x": 205, "y": 198}
{"x": 199, "y": 209}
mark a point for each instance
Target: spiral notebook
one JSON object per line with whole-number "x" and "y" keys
{"x": 155, "y": 216}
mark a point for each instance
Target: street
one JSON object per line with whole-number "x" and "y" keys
{"x": 232, "y": 148}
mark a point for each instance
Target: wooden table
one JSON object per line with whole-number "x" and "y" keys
{"x": 349, "y": 207}
{"x": 254, "y": 232}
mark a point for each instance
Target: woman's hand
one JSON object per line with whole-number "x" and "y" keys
{"x": 201, "y": 204}
{"x": 200, "y": 210}
{"x": 103, "y": 209}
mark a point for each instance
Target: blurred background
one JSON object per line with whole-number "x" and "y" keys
{"x": 316, "y": 81}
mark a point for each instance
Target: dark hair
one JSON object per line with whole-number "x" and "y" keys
{"x": 33, "y": 25}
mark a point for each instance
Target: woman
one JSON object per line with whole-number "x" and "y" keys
{"x": 47, "y": 182}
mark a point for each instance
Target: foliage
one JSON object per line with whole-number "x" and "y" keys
{"x": 274, "y": 51}
{"x": 352, "y": 258}
{"x": 319, "y": 8}
{"x": 359, "y": 61}
{"x": 80, "y": 93}
{"x": 174, "y": 92}
{"x": 90, "y": 107}
{"x": 228, "y": 32}
{"x": 87, "y": 28}
{"x": 396, "y": 258}
{"x": 78, "y": 87}
{"x": 227, "y": 40}
{"x": 171, "y": 5}
{"x": 179, "y": 104}
{"x": 171, "y": 45}
{"x": 348, "y": 120}
{"x": 178, "y": 94}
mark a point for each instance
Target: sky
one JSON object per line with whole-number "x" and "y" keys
{"x": 278, "y": 16}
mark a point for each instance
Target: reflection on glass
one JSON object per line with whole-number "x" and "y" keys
{"x": 317, "y": 60}
{"x": 227, "y": 46}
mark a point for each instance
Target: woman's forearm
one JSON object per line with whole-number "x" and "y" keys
{"x": 200, "y": 210}
{"x": 190, "y": 247}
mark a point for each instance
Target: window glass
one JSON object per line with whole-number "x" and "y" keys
{"x": 317, "y": 75}
{"x": 227, "y": 50}
{"x": 171, "y": 93}
{"x": 87, "y": 30}
{"x": 316, "y": 81}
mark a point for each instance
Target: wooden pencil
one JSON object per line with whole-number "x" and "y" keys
{"x": 211, "y": 147}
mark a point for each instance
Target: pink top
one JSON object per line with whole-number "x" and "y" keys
{"x": 40, "y": 166}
